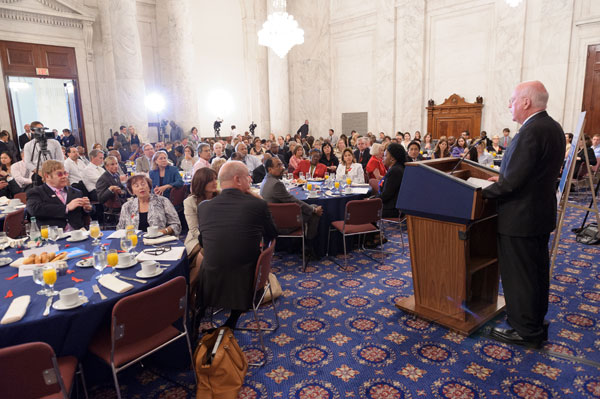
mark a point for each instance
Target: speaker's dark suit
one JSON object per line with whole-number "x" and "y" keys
{"x": 526, "y": 201}
{"x": 230, "y": 228}
{"x": 47, "y": 208}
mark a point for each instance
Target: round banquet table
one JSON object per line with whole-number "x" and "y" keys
{"x": 69, "y": 332}
{"x": 334, "y": 207}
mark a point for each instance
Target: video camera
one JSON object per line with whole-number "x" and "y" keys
{"x": 40, "y": 133}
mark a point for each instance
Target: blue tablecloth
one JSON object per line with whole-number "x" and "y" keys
{"x": 69, "y": 332}
{"x": 333, "y": 209}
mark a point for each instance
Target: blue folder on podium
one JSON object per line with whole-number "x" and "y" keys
{"x": 452, "y": 239}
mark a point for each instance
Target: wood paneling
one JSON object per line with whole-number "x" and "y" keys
{"x": 22, "y": 59}
{"x": 454, "y": 116}
{"x": 591, "y": 91}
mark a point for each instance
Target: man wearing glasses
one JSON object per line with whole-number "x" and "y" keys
{"x": 55, "y": 203}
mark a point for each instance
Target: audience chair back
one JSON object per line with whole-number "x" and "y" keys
{"x": 363, "y": 211}
{"x": 31, "y": 371}
{"x": 288, "y": 217}
{"x": 141, "y": 324}
{"x": 14, "y": 225}
{"x": 177, "y": 196}
{"x": 21, "y": 196}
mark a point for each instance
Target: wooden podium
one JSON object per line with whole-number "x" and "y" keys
{"x": 452, "y": 237}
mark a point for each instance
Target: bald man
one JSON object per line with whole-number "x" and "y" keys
{"x": 230, "y": 228}
{"x": 526, "y": 201}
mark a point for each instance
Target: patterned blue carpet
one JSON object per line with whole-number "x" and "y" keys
{"x": 342, "y": 337}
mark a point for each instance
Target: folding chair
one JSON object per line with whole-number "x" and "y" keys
{"x": 261, "y": 285}
{"x": 141, "y": 324}
{"x": 112, "y": 212}
{"x": 288, "y": 217}
{"x": 32, "y": 370}
{"x": 14, "y": 224}
{"x": 361, "y": 217}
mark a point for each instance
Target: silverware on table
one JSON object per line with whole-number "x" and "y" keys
{"x": 97, "y": 291}
{"x": 47, "y": 310}
{"x": 117, "y": 274}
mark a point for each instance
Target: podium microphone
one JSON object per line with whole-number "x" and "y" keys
{"x": 466, "y": 153}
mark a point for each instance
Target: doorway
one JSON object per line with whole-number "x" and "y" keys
{"x": 591, "y": 91}
{"x": 42, "y": 85}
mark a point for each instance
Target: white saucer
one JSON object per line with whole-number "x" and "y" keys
{"x": 159, "y": 271}
{"x": 125, "y": 266}
{"x": 58, "y": 305}
{"x": 156, "y": 236}
{"x": 71, "y": 239}
{"x": 85, "y": 263}
{"x": 5, "y": 261}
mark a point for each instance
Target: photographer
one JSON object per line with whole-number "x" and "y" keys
{"x": 217, "y": 127}
{"x": 33, "y": 147}
{"x": 252, "y": 127}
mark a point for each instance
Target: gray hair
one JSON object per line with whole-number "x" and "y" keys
{"x": 94, "y": 153}
{"x": 201, "y": 146}
{"x": 110, "y": 158}
{"x": 536, "y": 92}
{"x": 238, "y": 146}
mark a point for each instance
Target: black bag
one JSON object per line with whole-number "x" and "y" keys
{"x": 588, "y": 235}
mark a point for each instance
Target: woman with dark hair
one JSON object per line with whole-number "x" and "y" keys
{"x": 569, "y": 140}
{"x": 189, "y": 160}
{"x": 257, "y": 149}
{"x": 349, "y": 168}
{"x": 204, "y": 187}
{"x": 394, "y": 159}
{"x": 441, "y": 149}
{"x": 328, "y": 158}
{"x": 428, "y": 142}
{"x": 8, "y": 185}
{"x": 345, "y": 138}
{"x": 458, "y": 150}
{"x": 148, "y": 209}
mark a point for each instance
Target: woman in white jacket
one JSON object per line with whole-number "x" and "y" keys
{"x": 348, "y": 167}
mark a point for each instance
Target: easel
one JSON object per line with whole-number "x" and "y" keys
{"x": 564, "y": 188}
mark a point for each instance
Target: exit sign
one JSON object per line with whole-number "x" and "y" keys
{"x": 42, "y": 71}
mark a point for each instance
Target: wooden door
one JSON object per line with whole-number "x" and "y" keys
{"x": 591, "y": 91}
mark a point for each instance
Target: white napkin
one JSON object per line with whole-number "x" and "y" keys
{"x": 159, "y": 240}
{"x": 120, "y": 233}
{"x": 16, "y": 310}
{"x": 175, "y": 253}
{"x": 17, "y": 242}
{"x": 114, "y": 284}
{"x": 3, "y": 200}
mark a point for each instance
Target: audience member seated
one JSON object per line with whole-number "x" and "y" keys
{"x": 20, "y": 173}
{"x": 8, "y": 185}
{"x": 458, "y": 150}
{"x": 428, "y": 144}
{"x": 328, "y": 158}
{"x": 204, "y": 187}
{"x": 218, "y": 152}
{"x": 83, "y": 155}
{"x": 164, "y": 176}
{"x": 136, "y": 152}
{"x": 123, "y": 154}
{"x": 581, "y": 158}
{"x": 75, "y": 166}
{"x": 375, "y": 167}
{"x": 259, "y": 173}
{"x": 8, "y": 145}
{"x": 311, "y": 168}
{"x": 362, "y": 154}
{"x": 569, "y": 141}
{"x": 189, "y": 160}
{"x": 122, "y": 169}
{"x": 55, "y": 203}
{"x": 394, "y": 160}
{"x": 596, "y": 144}
{"x": 349, "y": 168}
{"x": 148, "y": 209}
{"x": 414, "y": 152}
{"x": 483, "y": 157}
{"x": 231, "y": 228}
{"x": 218, "y": 164}
{"x": 92, "y": 172}
{"x": 144, "y": 163}
{"x": 340, "y": 146}
{"x": 495, "y": 147}
{"x": 110, "y": 143}
{"x": 250, "y": 161}
{"x": 276, "y": 151}
{"x": 203, "y": 157}
{"x": 297, "y": 155}
{"x": 441, "y": 149}
{"x": 109, "y": 187}
{"x": 257, "y": 149}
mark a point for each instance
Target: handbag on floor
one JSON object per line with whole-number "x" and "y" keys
{"x": 220, "y": 365}
{"x": 275, "y": 286}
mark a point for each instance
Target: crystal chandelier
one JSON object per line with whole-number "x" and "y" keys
{"x": 280, "y": 32}
{"x": 513, "y": 3}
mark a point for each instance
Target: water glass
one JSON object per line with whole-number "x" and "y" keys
{"x": 53, "y": 234}
{"x": 301, "y": 175}
{"x": 3, "y": 243}
{"x": 38, "y": 278}
{"x": 126, "y": 243}
{"x": 99, "y": 261}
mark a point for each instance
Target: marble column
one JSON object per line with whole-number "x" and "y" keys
{"x": 410, "y": 49}
{"x": 384, "y": 73}
{"x": 279, "y": 90}
{"x": 128, "y": 67}
{"x": 184, "y": 95}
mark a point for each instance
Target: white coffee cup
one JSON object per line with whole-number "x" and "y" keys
{"x": 125, "y": 258}
{"x": 153, "y": 231}
{"x": 70, "y": 296}
{"x": 149, "y": 267}
{"x": 77, "y": 234}
{"x": 60, "y": 231}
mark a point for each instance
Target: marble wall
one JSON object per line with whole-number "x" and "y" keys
{"x": 384, "y": 57}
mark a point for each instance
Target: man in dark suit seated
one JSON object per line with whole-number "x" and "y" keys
{"x": 8, "y": 185}
{"x": 273, "y": 190}
{"x": 230, "y": 229}
{"x": 111, "y": 192}
{"x": 259, "y": 173}
{"x": 311, "y": 168}
{"x": 526, "y": 203}
{"x": 55, "y": 203}
{"x": 414, "y": 152}
{"x": 362, "y": 154}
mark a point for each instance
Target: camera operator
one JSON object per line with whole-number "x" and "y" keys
{"x": 33, "y": 147}
{"x": 252, "y": 127}
{"x": 217, "y": 127}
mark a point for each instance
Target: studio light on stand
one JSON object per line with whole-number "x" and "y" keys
{"x": 156, "y": 104}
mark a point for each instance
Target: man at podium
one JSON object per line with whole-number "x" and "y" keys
{"x": 526, "y": 201}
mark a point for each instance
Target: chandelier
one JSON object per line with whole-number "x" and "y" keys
{"x": 513, "y": 3}
{"x": 280, "y": 32}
